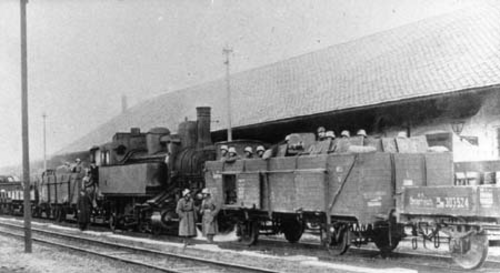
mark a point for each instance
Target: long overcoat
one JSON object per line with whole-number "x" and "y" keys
{"x": 186, "y": 211}
{"x": 84, "y": 206}
{"x": 209, "y": 210}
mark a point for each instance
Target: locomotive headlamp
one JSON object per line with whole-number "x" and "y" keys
{"x": 457, "y": 127}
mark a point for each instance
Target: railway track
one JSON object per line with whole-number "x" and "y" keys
{"x": 431, "y": 261}
{"x": 274, "y": 246}
{"x": 152, "y": 259}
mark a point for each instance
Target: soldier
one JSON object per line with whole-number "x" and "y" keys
{"x": 233, "y": 155}
{"x": 343, "y": 143}
{"x": 248, "y": 152}
{"x": 66, "y": 167}
{"x": 223, "y": 152}
{"x": 90, "y": 186}
{"x": 84, "y": 209}
{"x": 260, "y": 151}
{"x": 94, "y": 172}
{"x": 362, "y": 133}
{"x": 209, "y": 211}
{"x": 345, "y": 134}
{"x": 77, "y": 166}
{"x": 330, "y": 135}
{"x": 321, "y": 133}
{"x": 185, "y": 210}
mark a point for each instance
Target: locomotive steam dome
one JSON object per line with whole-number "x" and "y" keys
{"x": 153, "y": 139}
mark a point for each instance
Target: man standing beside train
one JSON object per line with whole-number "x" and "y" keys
{"x": 186, "y": 211}
{"x": 84, "y": 206}
{"x": 209, "y": 209}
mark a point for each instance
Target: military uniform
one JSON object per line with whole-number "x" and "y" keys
{"x": 209, "y": 210}
{"x": 84, "y": 206}
{"x": 187, "y": 224}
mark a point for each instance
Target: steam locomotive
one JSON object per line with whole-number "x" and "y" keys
{"x": 140, "y": 176}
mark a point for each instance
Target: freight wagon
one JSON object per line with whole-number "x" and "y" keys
{"x": 352, "y": 199}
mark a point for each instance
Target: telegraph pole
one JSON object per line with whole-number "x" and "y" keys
{"x": 226, "y": 51}
{"x": 25, "y": 132}
{"x": 44, "y": 116}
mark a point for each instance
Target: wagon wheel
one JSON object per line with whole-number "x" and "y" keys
{"x": 474, "y": 257}
{"x": 384, "y": 244}
{"x": 248, "y": 232}
{"x": 56, "y": 213}
{"x": 293, "y": 230}
{"x": 226, "y": 225}
{"x": 387, "y": 234}
{"x": 386, "y": 238}
{"x": 145, "y": 227}
{"x": 113, "y": 222}
{"x": 60, "y": 214}
{"x": 337, "y": 240}
{"x": 36, "y": 212}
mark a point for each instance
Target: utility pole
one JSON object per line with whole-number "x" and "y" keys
{"x": 25, "y": 132}
{"x": 44, "y": 116}
{"x": 226, "y": 51}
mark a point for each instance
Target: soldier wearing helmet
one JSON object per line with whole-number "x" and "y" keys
{"x": 209, "y": 210}
{"x": 232, "y": 156}
{"x": 343, "y": 144}
{"x": 321, "y": 133}
{"x": 260, "y": 151}
{"x": 362, "y": 133}
{"x": 77, "y": 166}
{"x": 185, "y": 209}
{"x": 223, "y": 152}
{"x": 248, "y": 152}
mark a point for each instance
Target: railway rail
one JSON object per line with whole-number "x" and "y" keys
{"x": 152, "y": 259}
{"x": 431, "y": 262}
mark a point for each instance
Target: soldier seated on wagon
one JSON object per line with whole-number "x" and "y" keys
{"x": 248, "y": 152}
{"x": 260, "y": 151}
{"x": 321, "y": 133}
{"x": 233, "y": 155}
{"x": 223, "y": 152}
{"x": 343, "y": 143}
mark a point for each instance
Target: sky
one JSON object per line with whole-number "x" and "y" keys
{"x": 84, "y": 55}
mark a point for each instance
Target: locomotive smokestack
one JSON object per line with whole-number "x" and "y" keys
{"x": 204, "y": 138}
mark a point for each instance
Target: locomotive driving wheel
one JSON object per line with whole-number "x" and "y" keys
{"x": 336, "y": 238}
{"x": 248, "y": 232}
{"x": 469, "y": 249}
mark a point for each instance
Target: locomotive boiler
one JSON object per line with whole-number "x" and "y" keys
{"x": 141, "y": 174}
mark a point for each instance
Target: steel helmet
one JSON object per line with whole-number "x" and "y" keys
{"x": 330, "y": 134}
{"x": 223, "y": 147}
{"x": 345, "y": 133}
{"x": 402, "y": 134}
{"x": 248, "y": 149}
{"x": 185, "y": 191}
{"x": 362, "y": 132}
{"x": 205, "y": 191}
{"x": 232, "y": 150}
{"x": 260, "y": 148}
{"x": 321, "y": 129}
